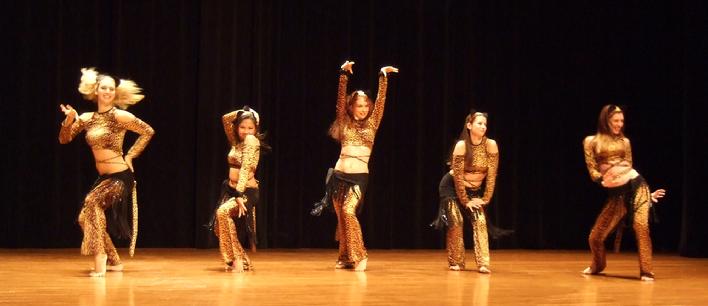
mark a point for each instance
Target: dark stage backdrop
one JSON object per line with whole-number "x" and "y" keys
{"x": 542, "y": 71}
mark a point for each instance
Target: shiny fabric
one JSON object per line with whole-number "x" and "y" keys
{"x": 602, "y": 151}
{"x": 345, "y": 193}
{"x": 638, "y": 197}
{"x": 243, "y": 155}
{"x": 629, "y": 203}
{"x": 479, "y": 160}
{"x": 337, "y": 187}
{"x": 103, "y": 131}
{"x": 227, "y": 226}
{"x": 351, "y": 241}
{"x": 110, "y": 191}
{"x": 363, "y": 132}
{"x": 458, "y": 164}
{"x": 454, "y": 215}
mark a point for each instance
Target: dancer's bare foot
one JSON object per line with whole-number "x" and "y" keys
{"x": 99, "y": 264}
{"x": 455, "y": 268}
{"x": 361, "y": 266}
{"x": 238, "y": 265}
{"x": 115, "y": 268}
{"x": 343, "y": 265}
{"x": 485, "y": 270}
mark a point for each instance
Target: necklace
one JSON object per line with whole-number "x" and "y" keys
{"x": 480, "y": 142}
{"x": 103, "y": 112}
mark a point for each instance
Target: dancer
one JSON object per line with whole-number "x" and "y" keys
{"x": 465, "y": 192}
{"x": 239, "y": 193}
{"x": 115, "y": 186}
{"x": 608, "y": 156}
{"x": 355, "y": 128}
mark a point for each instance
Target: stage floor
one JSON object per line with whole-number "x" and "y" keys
{"x": 307, "y": 277}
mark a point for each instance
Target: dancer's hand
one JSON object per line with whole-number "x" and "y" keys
{"x": 388, "y": 69}
{"x": 241, "y": 207}
{"x": 657, "y": 194}
{"x": 69, "y": 112}
{"x": 475, "y": 203}
{"x": 347, "y": 66}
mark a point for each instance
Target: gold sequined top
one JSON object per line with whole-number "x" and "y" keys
{"x": 603, "y": 151}
{"x": 360, "y": 133}
{"x": 477, "y": 160}
{"x": 103, "y": 131}
{"x": 243, "y": 155}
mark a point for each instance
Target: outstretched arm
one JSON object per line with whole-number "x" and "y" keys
{"x": 71, "y": 126}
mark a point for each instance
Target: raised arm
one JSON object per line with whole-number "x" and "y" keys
{"x": 134, "y": 124}
{"x": 229, "y": 129}
{"x": 458, "y": 172}
{"x": 71, "y": 126}
{"x": 378, "y": 111}
{"x": 344, "y": 73}
{"x": 249, "y": 161}
{"x": 493, "y": 155}
{"x": 590, "y": 161}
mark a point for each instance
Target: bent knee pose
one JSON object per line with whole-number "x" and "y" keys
{"x": 466, "y": 190}
{"x": 355, "y": 127}
{"x": 608, "y": 156}
{"x": 236, "y": 211}
{"x": 115, "y": 187}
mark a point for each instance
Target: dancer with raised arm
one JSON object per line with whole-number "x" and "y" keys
{"x": 358, "y": 119}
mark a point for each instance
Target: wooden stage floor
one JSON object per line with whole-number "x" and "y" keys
{"x": 307, "y": 277}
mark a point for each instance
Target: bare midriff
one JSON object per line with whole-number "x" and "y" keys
{"x": 353, "y": 159}
{"x": 233, "y": 179}
{"x": 109, "y": 161}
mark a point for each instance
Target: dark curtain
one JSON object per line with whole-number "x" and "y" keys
{"x": 542, "y": 71}
{"x": 694, "y": 211}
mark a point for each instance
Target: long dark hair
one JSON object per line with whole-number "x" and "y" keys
{"x": 603, "y": 121}
{"x": 335, "y": 130}
{"x": 247, "y": 113}
{"x": 465, "y": 133}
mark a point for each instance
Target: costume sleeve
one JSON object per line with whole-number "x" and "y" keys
{"x": 342, "y": 94}
{"x": 628, "y": 151}
{"x": 144, "y": 130}
{"x": 491, "y": 176}
{"x": 229, "y": 129}
{"x": 68, "y": 132}
{"x": 590, "y": 160}
{"x": 377, "y": 114}
{"x": 458, "y": 172}
{"x": 249, "y": 162}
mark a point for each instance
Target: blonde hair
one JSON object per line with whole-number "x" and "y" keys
{"x": 127, "y": 91}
